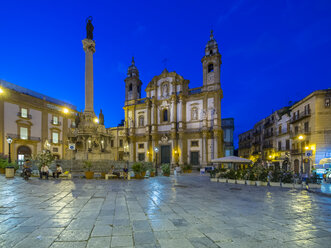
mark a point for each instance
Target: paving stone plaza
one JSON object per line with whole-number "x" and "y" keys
{"x": 184, "y": 211}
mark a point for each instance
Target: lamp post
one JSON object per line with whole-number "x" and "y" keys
{"x": 301, "y": 167}
{"x": 9, "y": 140}
{"x": 156, "y": 150}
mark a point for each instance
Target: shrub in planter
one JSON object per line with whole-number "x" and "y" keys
{"x": 187, "y": 168}
{"x": 88, "y": 174}
{"x": 276, "y": 175}
{"x": 138, "y": 169}
{"x": 287, "y": 177}
{"x": 165, "y": 169}
{"x": 3, "y": 165}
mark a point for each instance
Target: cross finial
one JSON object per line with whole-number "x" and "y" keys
{"x": 211, "y": 34}
{"x": 132, "y": 60}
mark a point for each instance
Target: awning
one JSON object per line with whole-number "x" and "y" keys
{"x": 231, "y": 159}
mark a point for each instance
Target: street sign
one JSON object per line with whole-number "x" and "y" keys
{"x": 309, "y": 153}
{"x": 72, "y": 146}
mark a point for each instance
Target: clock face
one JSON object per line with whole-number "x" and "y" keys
{"x": 210, "y": 77}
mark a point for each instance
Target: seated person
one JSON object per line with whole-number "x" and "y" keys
{"x": 57, "y": 171}
{"x": 44, "y": 171}
{"x": 125, "y": 171}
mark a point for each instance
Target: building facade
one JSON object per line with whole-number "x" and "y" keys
{"x": 31, "y": 119}
{"x": 183, "y": 124}
{"x": 295, "y": 137}
{"x": 228, "y": 129}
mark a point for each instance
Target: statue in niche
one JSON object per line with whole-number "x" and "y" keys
{"x": 194, "y": 113}
{"x": 101, "y": 118}
{"x": 89, "y": 28}
{"x": 165, "y": 90}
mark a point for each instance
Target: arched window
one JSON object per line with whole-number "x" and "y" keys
{"x": 141, "y": 121}
{"x": 210, "y": 68}
{"x": 211, "y": 52}
{"x": 130, "y": 87}
{"x": 165, "y": 115}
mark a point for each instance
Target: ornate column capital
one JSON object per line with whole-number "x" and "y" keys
{"x": 89, "y": 45}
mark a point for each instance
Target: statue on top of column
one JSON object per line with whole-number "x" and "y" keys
{"x": 101, "y": 118}
{"x": 89, "y": 28}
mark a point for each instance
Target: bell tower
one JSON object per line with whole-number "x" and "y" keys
{"x": 211, "y": 64}
{"x": 132, "y": 83}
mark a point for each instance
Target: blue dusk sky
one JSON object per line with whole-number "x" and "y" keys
{"x": 273, "y": 52}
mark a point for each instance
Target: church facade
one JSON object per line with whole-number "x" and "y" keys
{"x": 173, "y": 124}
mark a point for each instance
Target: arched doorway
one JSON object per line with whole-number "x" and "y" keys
{"x": 296, "y": 166}
{"x": 23, "y": 152}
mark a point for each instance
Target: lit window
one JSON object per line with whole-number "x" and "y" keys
{"x": 55, "y": 137}
{"x": 141, "y": 146}
{"x": 24, "y": 113}
{"x": 24, "y": 133}
{"x": 55, "y": 120}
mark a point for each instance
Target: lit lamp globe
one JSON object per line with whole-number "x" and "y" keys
{"x": 156, "y": 149}
{"x": 96, "y": 120}
{"x": 9, "y": 140}
{"x": 1, "y": 91}
{"x": 300, "y": 137}
{"x": 65, "y": 110}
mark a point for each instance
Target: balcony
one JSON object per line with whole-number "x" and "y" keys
{"x": 268, "y": 146}
{"x": 283, "y": 149}
{"x": 256, "y": 132}
{"x": 19, "y": 114}
{"x": 282, "y": 132}
{"x": 58, "y": 123}
{"x": 58, "y": 142}
{"x": 18, "y": 137}
{"x": 295, "y": 151}
{"x": 268, "y": 135}
{"x": 305, "y": 131}
{"x": 268, "y": 123}
{"x": 300, "y": 116}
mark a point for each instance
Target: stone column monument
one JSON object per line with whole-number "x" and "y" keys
{"x": 89, "y": 48}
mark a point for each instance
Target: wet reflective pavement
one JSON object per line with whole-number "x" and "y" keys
{"x": 185, "y": 211}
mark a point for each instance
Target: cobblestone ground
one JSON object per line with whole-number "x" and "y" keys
{"x": 185, "y": 211}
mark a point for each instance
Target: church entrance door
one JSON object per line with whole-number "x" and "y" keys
{"x": 165, "y": 154}
{"x": 194, "y": 158}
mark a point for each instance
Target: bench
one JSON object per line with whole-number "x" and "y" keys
{"x": 107, "y": 176}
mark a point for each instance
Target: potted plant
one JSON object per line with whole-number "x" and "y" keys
{"x": 240, "y": 176}
{"x": 222, "y": 175}
{"x": 88, "y": 174}
{"x": 287, "y": 180}
{"x": 262, "y": 177}
{"x": 165, "y": 169}
{"x": 231, "y": 175}
{"x": 187, "y": 168}
{"x": 251, "y": 176}
{"x": 138, "y": 169}
{"x": 3, "y": 165}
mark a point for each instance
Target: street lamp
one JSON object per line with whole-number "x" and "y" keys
{"x": 156, "y": 150}
{"x": 301, "y": 169}
{"x": 1, "y": 91}
{"x": 9, "y": 140}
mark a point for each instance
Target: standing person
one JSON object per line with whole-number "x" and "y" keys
{"x": 58, "y": 171}
{"x": 44, "y": 171}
